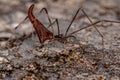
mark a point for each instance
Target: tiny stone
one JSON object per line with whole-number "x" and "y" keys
{"x": 3, "y": 60}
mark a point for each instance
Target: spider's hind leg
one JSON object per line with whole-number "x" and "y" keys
{"x": 76, "y": 42}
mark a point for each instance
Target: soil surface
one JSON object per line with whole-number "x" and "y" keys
{"x": 82, "y": 57}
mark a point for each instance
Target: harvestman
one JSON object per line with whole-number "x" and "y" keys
{"x": 44, "y": 34}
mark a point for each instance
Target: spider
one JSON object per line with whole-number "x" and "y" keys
{"x": 44, "y": 34}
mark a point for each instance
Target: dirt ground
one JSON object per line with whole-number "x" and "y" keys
{"x": 80, "y": 58}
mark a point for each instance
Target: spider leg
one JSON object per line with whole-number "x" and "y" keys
{"x": 46, "y": 14}
{"x": 88, "y": 19}
{"x": 43, "y": 9}
{"x": 94, "y": 27}
{"x": 80, "y": 9}
{"x": 72, "y": 22}
{"x": 80, "y": 45}
{"x": 58, "y": 27}
{"x": 95, "y": 23}
{"x": 21, "y": 22}
{"x": 91, "y": 22}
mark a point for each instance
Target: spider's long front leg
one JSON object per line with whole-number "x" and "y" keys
{"x": 43, "y": 9}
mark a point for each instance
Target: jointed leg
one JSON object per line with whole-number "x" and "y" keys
{"x": 72, "y": 22}
{"x": 56, "y": 20}
{"x": 21, "y": 22}
{"x": 58, "y": 26}
{"x": 76, "y": 40}
{"x": 94, "y": 27}
{"x": 91, "y": 22}
{"x": 47, "y": 15}
{"x": 39, "y": 12}
{"x": 86, "y": 16}
{"x": 95, "y": 23}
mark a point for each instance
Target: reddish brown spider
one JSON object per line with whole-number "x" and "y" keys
{"x": 44, "y": 34}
